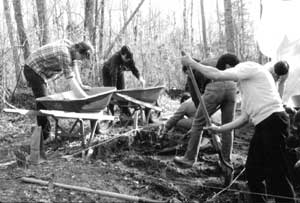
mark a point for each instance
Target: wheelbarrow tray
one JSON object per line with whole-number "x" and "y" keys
{"x": 98, "y": 98}
{"x": 149, "y": 94}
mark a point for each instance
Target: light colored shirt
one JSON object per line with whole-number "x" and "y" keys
{"x": 187, "y": 109}
{"x": 259, "y": 95}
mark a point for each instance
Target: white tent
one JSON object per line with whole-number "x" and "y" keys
{"x": 278, "y": 37}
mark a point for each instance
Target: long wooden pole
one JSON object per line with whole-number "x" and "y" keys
{"x": 100, "y": 192}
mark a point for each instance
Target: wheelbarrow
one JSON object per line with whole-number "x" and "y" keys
{"x": 98, "y": 98}
{"x": 71, "y": 107}
{"x": 138, "y": 99}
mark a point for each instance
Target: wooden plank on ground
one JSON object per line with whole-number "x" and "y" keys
{"x": 62, "y": 114}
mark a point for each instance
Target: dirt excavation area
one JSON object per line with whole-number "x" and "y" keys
{"x": 122, "y": 166}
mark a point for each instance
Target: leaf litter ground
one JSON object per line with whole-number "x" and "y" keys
{"x": 130, "y": 164}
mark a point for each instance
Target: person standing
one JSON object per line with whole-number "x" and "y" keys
{"x": 262, "y": 105}
{"x": 217, "y": 95}
{"x": 50, "y": 62}
{"x": 113, "y": 72}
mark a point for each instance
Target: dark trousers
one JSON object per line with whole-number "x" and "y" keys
{"x": 267, "y": 160}
{"x": 107, "y": 81}
{"x": 39, "y": 89}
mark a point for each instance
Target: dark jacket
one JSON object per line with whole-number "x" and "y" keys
{"x": 115, "y": 66}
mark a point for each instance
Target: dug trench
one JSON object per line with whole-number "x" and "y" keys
{"x": 143, "y": 161}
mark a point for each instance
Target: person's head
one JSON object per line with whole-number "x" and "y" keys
{"x": 83, "y": 50}
{"x": 281, "y": 68}
{"x": 226, "y": 61}
{"x": 126, "y": 54}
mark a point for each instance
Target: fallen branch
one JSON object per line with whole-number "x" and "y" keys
{"x": 100, "y": 192}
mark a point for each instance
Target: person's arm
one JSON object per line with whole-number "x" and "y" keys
{"x": 281, "y": 84}
{"x": 179, "y": 114}
{"x": 208, "y": 71}
{"x": 240, "y": 121}
{"x": 78, "y": 78}
{"x": 78, "y": 91}
{"x": 131, "y": 66}
{"x": 70, "y": 75}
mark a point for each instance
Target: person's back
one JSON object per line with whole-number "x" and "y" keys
{"x": 260, "y": 97}
{"x": 51, "y": 60}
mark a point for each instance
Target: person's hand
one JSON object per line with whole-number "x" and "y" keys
{"x": 186, "y": 60}
{"x": 86, "y": 87}
{"x": 143, "y": 82}
{"x": 212, "y": 128}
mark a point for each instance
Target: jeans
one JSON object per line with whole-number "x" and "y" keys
{"x": 267, "y": 160}
{"x": 39, "y": 89}
{"x": 221, "y": 94}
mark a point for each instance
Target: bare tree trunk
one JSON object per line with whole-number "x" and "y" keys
{"x": 124, "y": 12}
{"x": 219, "y": 25}
{"x": 229, "y": 27}
{"x": 260, "y": 55}
{"x": 241, "y": 33}
{"x": 43, "y": 21}
{"x": 89, "y": 20}
{"x": 20, "y": 27}
{"x": 11, "y": 38}
{"x": 110, "y": 27}
{"x": 122, "y": 30}
{"x": 185, "y": 26}
{"x": 192, "y": 28}
{"x": 205, "y": 46}
{"x": 95, "y": 30}
{"x": 101, "y": 28}
{"x": 2, "y": 85}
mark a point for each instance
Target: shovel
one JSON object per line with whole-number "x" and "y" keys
{"x": 207, "y": 118}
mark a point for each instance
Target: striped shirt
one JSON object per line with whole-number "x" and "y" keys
{"x": 52, "y": 60}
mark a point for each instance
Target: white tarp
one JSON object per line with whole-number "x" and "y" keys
{"x": 278, "y": 37}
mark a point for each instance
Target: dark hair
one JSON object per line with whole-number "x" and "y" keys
{"x": 126, "y": 50}
{"x": 281, "y": 68}
{"x": 185, "y": 96}
{"x": 227, "y": 59}
{"x": 84, "y": 48}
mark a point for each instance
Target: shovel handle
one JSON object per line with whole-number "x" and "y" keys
{"x": 201, "y": 101}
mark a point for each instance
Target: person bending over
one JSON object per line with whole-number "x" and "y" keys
{"x": 50, "y": 62}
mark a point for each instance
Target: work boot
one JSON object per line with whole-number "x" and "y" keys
{"x": 184, "y": 161}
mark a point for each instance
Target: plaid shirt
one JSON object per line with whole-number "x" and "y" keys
{"x": 52, "y": 60}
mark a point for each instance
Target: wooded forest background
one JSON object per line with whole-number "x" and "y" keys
{"x": 155, "y": 36}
